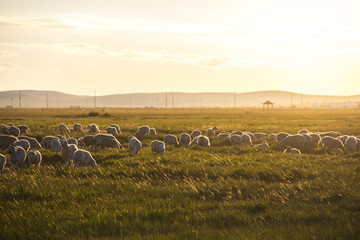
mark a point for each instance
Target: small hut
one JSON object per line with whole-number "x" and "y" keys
{"x": 266, "y": 105}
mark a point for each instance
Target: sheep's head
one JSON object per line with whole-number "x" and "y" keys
{"x": 63, "y": 143}
{"x": 11, "y": 149}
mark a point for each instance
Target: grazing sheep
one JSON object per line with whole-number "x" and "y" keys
{"x": 272, "y": 137}
{"x": 316, "y": 139}
{"x": 170, "y": 139}
{"x": 296, "y": 140}
{"x": 157, "y": 147}
{"x": 4, "y": 129}
{"x": 93, "y": 128}
{"x": 143, "y": 130}
{"x": 117, "y": 128}
{"x": 291, "y": 150}
{"x": 34, "y": 158}
{"x": 260, "y": 136}
{"x": 23, "y": 143}
{"x": 46, "y": 141}
{"x": 106, "y": 140}
{"x": 236, "y": 133}
{"x": 185, "y": 139}
{"x": 55, "y": 145}
{"x": 80, "y": 142}
{"x": 23, "y": 128}
{"x": 77, "y": 127}
{"x": 10, "y": 124}
{"x": 83, "y": 158}
{"x": 111, "y": 130}
{"x": 194, "y": 141}
{"x": 88, "y": 141}
{"x": 235, "y": 139}
{"x": 6, "y": 140}
{"x": 211, "y": 132}
{"x": 2, "y": 162}
{"x": 246, "y": 139}
{"x": 14, "y": 131}
{"x": 281, "y": 136}
{"x": 67, "y": 151}
{"x": 303, "y": 131}
{"x": 343, "y": 138}
{"x": 332, "y": 142}
{"x": 152, "y": 131}
{"x": 33, "y": 141}
{"x": 351, "y": 144}
{"x": 222, "y": 136}
{"x": 60, "y": 137}
{"x": 63, "y": 128}
{"x": 308, "y": 139}
{"x": 195, "y": 133}
{"x": 135, "y": 145}
{"x": 73, "y": 141}
{"x": 264, "y": 144}
{"x": 203, "y": 141}
{"x": 330, "y": 134}
{"x": 17, "y": 157}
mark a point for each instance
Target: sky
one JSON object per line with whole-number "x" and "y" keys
{"x": 130, "y": 46}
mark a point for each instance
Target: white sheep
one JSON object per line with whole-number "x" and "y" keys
{"x": 106, "y": 140}
{"x": 63, "y": 128}
{"x": 185, "y": 139}
{"x": 235, "y": 139}
{"x": 246, "y": 139}
{"x": 93, "y": 128}
{"x": 23, "y": 143}
{"x": 34, "y": 158}
{"x": 4, "y": 129}
{"x": 158, "y": 147}
{"x": 14, "y": 131}
{"x": 343, "y": 138}
{"x": 55, "y": 145}
{"x": 152, "y": 131}
{"x": 33, "y": 141}
{"x": 117, "y": 127}
{"x": 272, "y": 137}
{"x": 170, "y": 139}
{"x": 23, "y": 128}
{"x": 291, "y": 150}
{"x": 6, "y": 140}
{"x": 73, "y": 141}
{"x": 281, "y": 136}
{"x": 2, "y": 162}
{"x": 316, "y": 139}
{"x": 17, "y": 156}
{"x": 143, "y": 130}
{"x": 77, "y": 127}
{"x": 194, "y": 141}
{"x": 351, "y": 144}
{"x": 303, "y": 131}
{"x": 46, "y": 141}
{"x": 203, "y": 141}
{"x": 260, "y": 136}
{"x": 135, "y": 145}
{"x": 264, "y": 144}
{"x": 67, "y": 151}
{"x": 332, "y": 142}
{"x": 237, "y": 132}
{"x": 112, "y": 130}
{"x": 296, "y": 140}
{"x": 330, "y": 134}
{"x": 83, "y": 158}
{"x": 211, "y": 132}
{"x": 222, "y": 136}
{"x": 195, "y": 133}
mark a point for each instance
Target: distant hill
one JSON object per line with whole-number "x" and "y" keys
{"x": 33, "y": 98}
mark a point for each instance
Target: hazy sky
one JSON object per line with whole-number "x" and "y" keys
{"x": 127, "y": 46}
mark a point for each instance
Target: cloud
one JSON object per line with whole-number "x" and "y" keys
{"x": 7, "y": 54}
{"x": 8, "y": 66}
{"x": 37, "y": 22}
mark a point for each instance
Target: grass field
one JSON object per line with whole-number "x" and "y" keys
{"x": 221, "y": 192}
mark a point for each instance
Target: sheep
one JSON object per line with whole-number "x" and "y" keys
{"x": 63, "y": 128}
{"x": 117, "y": 128}
{"x": 143, "y": 130}
{"x": 185, "y": 139}
{"x": 14, "y": 131}
{"x": 106, "y": 140}
{"x": 10, "y": 124}
{"x": 80, "y": 142}
{"x": 55, "y": 145}
{"x": 23, "y": 143}
{"x": 211, "y": 132}
{"x": 246, "y": 139}
{"x": 303, "y": 131}
{"x": 203, "y": 141}
{"x": 73, "y": 141}
{"x": 281, "y": 136}
{"x": 17, "y": 157}
{"x": 34, "y": 158}
{"x": 111, "y": 130}
{"x": 264, "y": 144}
{"x": 329, "y": 134}
{"x": 343, "y": 138}
{"x": 6, "y": 140}
{"x": 272, "y": 137}
{"x": 83, "y": 158}
{"x": 93, "y": 128}
{"x": 195, "y": 133}
{"x": 23, "y": 128}
{"x": 308, "y": 139}
{"x": 157, "y": 147}
{"x": 236, "y": 133}
{"x": 331, "y": 142}
{"x": 222, "y": 136}
{"x": 358, "y": 143}
{"x": 88, "y": 141}
{"x": 296, "y": 140}
{"x": 316, "y": 139}
{"x": 77, "y": 127}
{"x": 235, "y": 139}
{"x": 4, "y": 129}
{"x": 33, "y": 141}
{"x": 291, "y": 150}
{"x": 194, "y": 141}
{"x": 152, "y": 131}
{"x": 135, "y": 145}
{"x": 260, "y": 136}
{"x": 46, "y": 141}
{"x": 67, "y": 151}
{"x": 2, "y": 162}
{"x": 170, "y": 139}
{"x": 351, "y": 144}
{"x": 60, "y": 137}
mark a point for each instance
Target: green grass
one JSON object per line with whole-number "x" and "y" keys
{"x": 221, "y": 192}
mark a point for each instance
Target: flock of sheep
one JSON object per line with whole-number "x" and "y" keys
{"x": 73, "y": 151}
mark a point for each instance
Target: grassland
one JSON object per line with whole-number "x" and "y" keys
{"x": 221, "y": 192}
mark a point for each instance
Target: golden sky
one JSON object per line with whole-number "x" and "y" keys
{"x": 127, "y": 46}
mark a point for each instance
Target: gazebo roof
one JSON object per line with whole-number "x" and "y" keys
{"x": 268, "y": 102}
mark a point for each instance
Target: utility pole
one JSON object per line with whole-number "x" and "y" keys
{"x": 165, "y": 99}
{"x": 19, "y": 99}
{"x": 47, "y": 100}
{"x": 234, "y": 99}
{"x": 95, "y": 98}
{"x": 12, "y": 100}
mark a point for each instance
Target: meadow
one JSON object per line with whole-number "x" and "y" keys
{"x": 221, "y": 192}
